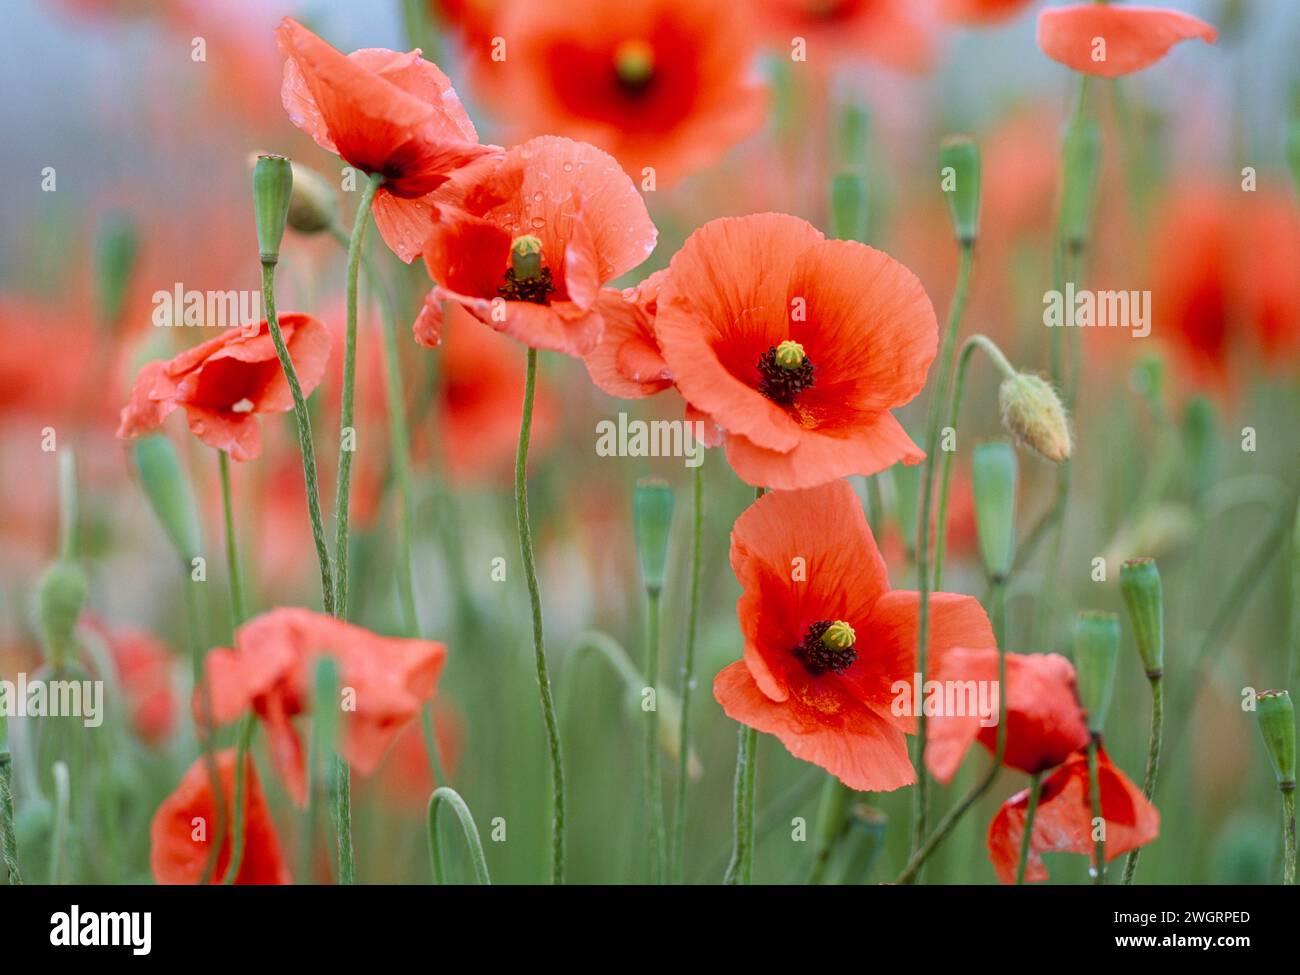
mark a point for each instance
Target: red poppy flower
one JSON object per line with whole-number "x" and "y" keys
{"x": 981, "y": 11}
{"x": 144, "y": 674}
{"x": 537, "y": 239}
{"x": 665, "y": 84}
{"x": 383, "y": 112}
{"x": 888, "y": 31}
{"x": 797, "y": 346}
{"x": 405, "y": 779}
{"x": 183, "y": 828}
{"x": 1063, "y": 820}
{"x": 1114, "y": 40}
{"x": 271, "y": 669}
{"x": 627, "y": 362}
{"x": 225, "y": 382}
{"x": 826, "y": 639}
{"x": 1044, "y": 721}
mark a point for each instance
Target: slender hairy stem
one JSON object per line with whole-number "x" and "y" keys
{"x": 8, "y": 834}
{"x": 1035, "y": 790}
{"x": 246, "y": 728}
{"x": 232, "y": 546}
{"x": 1094, "y": 794}
{"x": 452, "y": 798}
{"x": 653, "y": 778}
{"x": 62, "y": 798}
{"x": 688, "y": 678}
{"x": 343, "y": 821}
{"x": 305, "y": 444}
{"x": 431, "y": 745}
{"x": 937, "y": 403}
{"x": 1153, "y": 759}
{"x": 539, "y": 645}
{"x": 1288, "y": 833}
{"x": 741, "y": 868}
{"x": 347, "y": 433}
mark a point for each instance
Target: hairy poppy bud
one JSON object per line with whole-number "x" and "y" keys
{"x": 62, "y": 594}
{"x": 993, "y": 480}
{"x": 1096, "y": 649}
{"x": 169, "y": 493}
{"x": 115, "y": 253}
{"x": 652, "y": 512}
{"x": 313, "y": 207}
{"x": 272, "y": 190}
{"x": 1277, "y": 726}
{"x": 1032, "y": 411}
{"x": 1139, "y": 582}
{"x": 959, "y": 169}
{"x": 1081, "y": 152}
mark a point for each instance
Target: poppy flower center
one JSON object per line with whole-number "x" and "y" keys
{"x": 827, "y": 646}
{"x": 785, "y": 371}
{"x": 525, "y": 278}
{"x": 634, "y": 66}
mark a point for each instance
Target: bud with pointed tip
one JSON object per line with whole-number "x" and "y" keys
{"x": 1139, "y": 582}
{"x": 1096, "y": 650}
{"x": 169, "y": 492}
{"x": 1033, "y": 413}
{"x": 1277, "y": 726}
{"x": 652, "y": 513}
{"x": 272, "y": 190}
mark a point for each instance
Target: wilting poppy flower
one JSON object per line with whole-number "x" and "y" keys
{"x": 383, "y": 112}
{"x": 797, "y": 346}
{"x": 888, "y": 31}
{"x": 1114, "y": 40}
{"x": 534, "y": 241}
{"x": 664, "y": 84}
{"x": 1063, "y": 819}
{"x": 272, "y": 668}
{"x": 1044, "y": 721}
{"x": 185, "y": 826}
{"x": 627, "y": 362}
{"x": 225, "y": 382}
{"x": 144, "y": 676}
{"x": 826, "y": 639}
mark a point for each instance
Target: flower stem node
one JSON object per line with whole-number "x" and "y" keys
{"x": 1277, "y": 726}
{"x": 1096, "y": 650}
{"x": 272, "y": 191}
{"x": 1033, "y": 413}
{"x": 1139, "y": 582}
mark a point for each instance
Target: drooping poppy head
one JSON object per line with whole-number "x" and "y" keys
{"x": 886, "y": 31}
{"x": 382, "y": 112}
{"x": 1045, "y": 724}
{"x": 1063, "y": 819}
{"x": 534, "y": 241}
{"x": 797, "y": 346}
{"x": 185, "y": 826}
{"x": 225, "y": 382}
{"x": 272, "y": 669}
{"x": 663, "y": 85}
{"x": 981, "y": 12}
{"x": 1112, "y": 40}
{"x": 627, "y": 362}
{"x": 829, "y": 649}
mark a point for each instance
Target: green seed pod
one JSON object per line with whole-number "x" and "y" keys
{"x": 1081, "y": 153}
{"x": 61, "y": 595}
{"x": 959, "y": 172}
{"x": 169, "y": 493}
{"x": 272, "y": 191}
{"x": 652, "y": 514}
{"x": 115, "y": 253}
{"x": 993, "y": 477}
{"x": 1277, "y": 726}
{"x": 1032, "y": 412}
{"x": 526, "y": 257}
{"x": 1139, "y": 583}
{"x": 1096, "y": 650}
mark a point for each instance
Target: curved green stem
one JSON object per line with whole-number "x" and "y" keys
{"x": 688, "y": 679}
{"x": 343, "y": 492}
{"x": 1153, "y": 760}
{"x": 653, "y": 777}
{"x": 452, "y": 798}
{"x": 1035, "y": 790}
{"x": 741, "y": 868}
{"x": 539, "y": 644}
{"x": 1094, "y": 794}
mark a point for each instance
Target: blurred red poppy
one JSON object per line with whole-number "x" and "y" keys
{"x": 826, "y": 639}
{"x": 981, "y": 12}
{"x": 1044, "y": 721}
{"x": 384, "y": 680}
{"x": 185, "y": 825}
{"x": 667, "y": 85}
{"x": 1114, "y": 40}
{"x": 225, "y": 382}
{"x": 627, "y": 362}
{"x": 888, "y": 31}
{"x": 405, "y": 779}
{"x": 1063, "y": 819}
{"x": 575, "y": 212}
{"x": 144, "y": 675}
{"x": 383, "y": 112}
{"x": 797, "y": 346}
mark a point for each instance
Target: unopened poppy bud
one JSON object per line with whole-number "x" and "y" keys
{"x": 1096, "y": 649}
{"x": 1139, "y": 582}
{"x": 652, "y": 514}
{"x": 1081, "y": 153}
{"x": 1277, "y": 726}
{"x": 839, "y": 636}
{"x": 994, "y": 472}
{"x": 272, "y": 190}
{"x": 790, "y": 355}
{"x": 115, "y": 253}
{"x": 1201, "y": 432}
{"x": 1033, "y": 413}
{"x": 526, "y": 257}
{"x": 62, "y": 594}
{"x": 634, "y": 63}
{"x": 313, "y": 207}
{"x": 959, "y": 170}
{"x": 168, "y": 491}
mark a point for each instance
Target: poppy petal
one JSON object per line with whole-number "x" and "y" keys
{"x": 1112, "y": 41}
